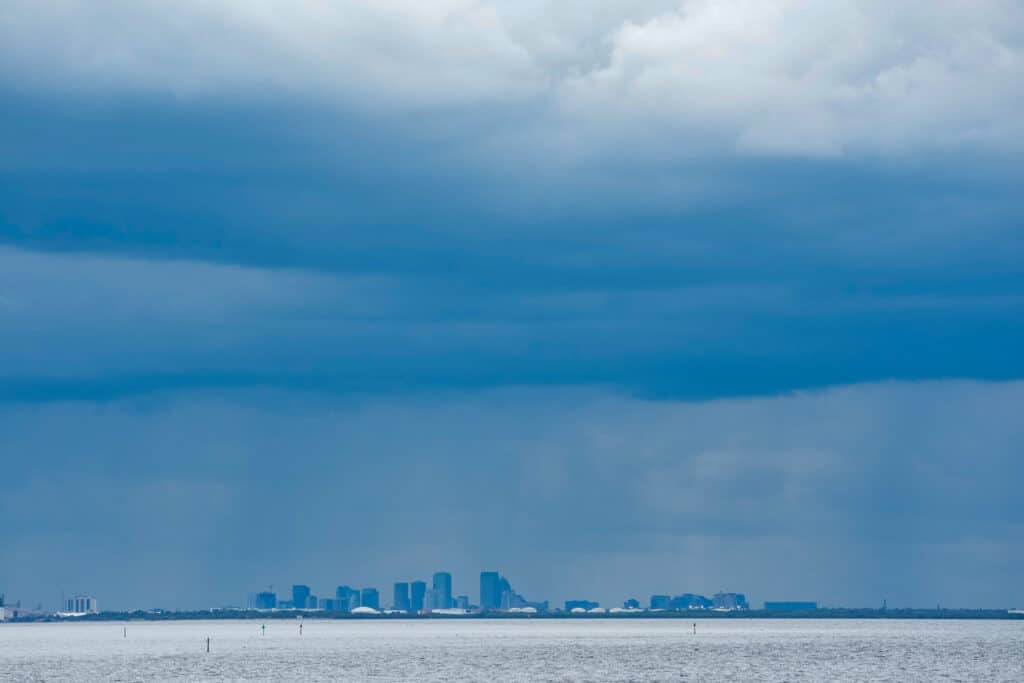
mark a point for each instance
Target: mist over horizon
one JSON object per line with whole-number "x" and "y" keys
{"x": 849, "y": 496}
{"x": 658, "y": 296}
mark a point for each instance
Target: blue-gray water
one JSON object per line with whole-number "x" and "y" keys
{"x": 520, "y": 650}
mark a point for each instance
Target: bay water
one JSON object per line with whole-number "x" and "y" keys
{"x": 515, "y": 650}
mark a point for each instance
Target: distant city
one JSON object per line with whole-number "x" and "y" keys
{"x": 496, "y": 594}
{"x": 496, "y": 598}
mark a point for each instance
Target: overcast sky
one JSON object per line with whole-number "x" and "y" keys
{"x": 618, "y": 298}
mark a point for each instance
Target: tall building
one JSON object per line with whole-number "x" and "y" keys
{"x": 265, "y": 600}
{"x": 343, "y": 598}
{"x": 462, "y": 602}
{"x": 496, "y": 593}
{"x": 417, "y": 591}
{"x": 505, "y": 593}
{"x": 442, "y": 590}
{"x": 300, "y": 595}
{"x": 401, "y": 598}
{"x": 82, "y": 604}
{"x": 370, "y": 598}
{"x": 490, "y": 590}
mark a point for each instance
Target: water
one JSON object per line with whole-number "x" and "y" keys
{"x": 519, "y": 650}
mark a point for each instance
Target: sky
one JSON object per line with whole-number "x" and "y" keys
{"x": 620, "y": 299}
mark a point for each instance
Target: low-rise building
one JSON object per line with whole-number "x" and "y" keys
{"x": 81, "y": 604}
{"x": 661, "y": 602}
{"x": 729, "y": 601}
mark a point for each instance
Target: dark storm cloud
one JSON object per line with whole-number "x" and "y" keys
{"x": 797, "y": 273}
{"x": 80, "y": 326}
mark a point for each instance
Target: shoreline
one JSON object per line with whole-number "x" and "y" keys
{"x": 250, "y": 615}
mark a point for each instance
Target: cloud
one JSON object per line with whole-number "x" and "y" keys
{"x": 811, "y": 78}
{"x": 86, "y": 325}
{"x": 408, "y": 53}
{"x": 768, "y": 78}
{"x": 89, "y": 316}
{"x": 845, "y": 495}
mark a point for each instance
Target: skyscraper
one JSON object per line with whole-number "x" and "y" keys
{"x": 370, "y": 598}
{"x": 401, "y": 598}
{"x": 490, "y": 590}
{"x": 300, "y": 595}
{"x": 417, "y": 590}
{"x": 265, "y": 600}
{"x": 504, "y": 593}
{"x": 343, "y": 597}
{"x": 442, "y": 590}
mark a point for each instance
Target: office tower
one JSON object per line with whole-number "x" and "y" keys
{"x": 343, "y": 597}
{"x": 504, "y": 593}
{"x": 401, "y": 598}
{"x": 300, "y": 594}
{"x": 370, "y": 598}
{"x": 265, "y": 600}
{"x": 417, "y": 591}
{"x": 442, "y": 590}
{"x": 490, "y": 590}
{"x": 462, "y": 602}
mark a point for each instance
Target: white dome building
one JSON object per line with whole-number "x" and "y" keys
{"x": 364, "y": 610}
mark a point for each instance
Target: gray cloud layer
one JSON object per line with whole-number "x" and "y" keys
{"x": 86, "y": 325}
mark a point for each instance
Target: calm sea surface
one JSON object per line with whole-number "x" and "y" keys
{"x": 521, "y": 650}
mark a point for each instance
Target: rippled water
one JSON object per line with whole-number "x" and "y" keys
{"x": 520, "y": 650}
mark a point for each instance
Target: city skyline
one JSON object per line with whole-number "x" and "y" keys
{"x": 495, "y": 595}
